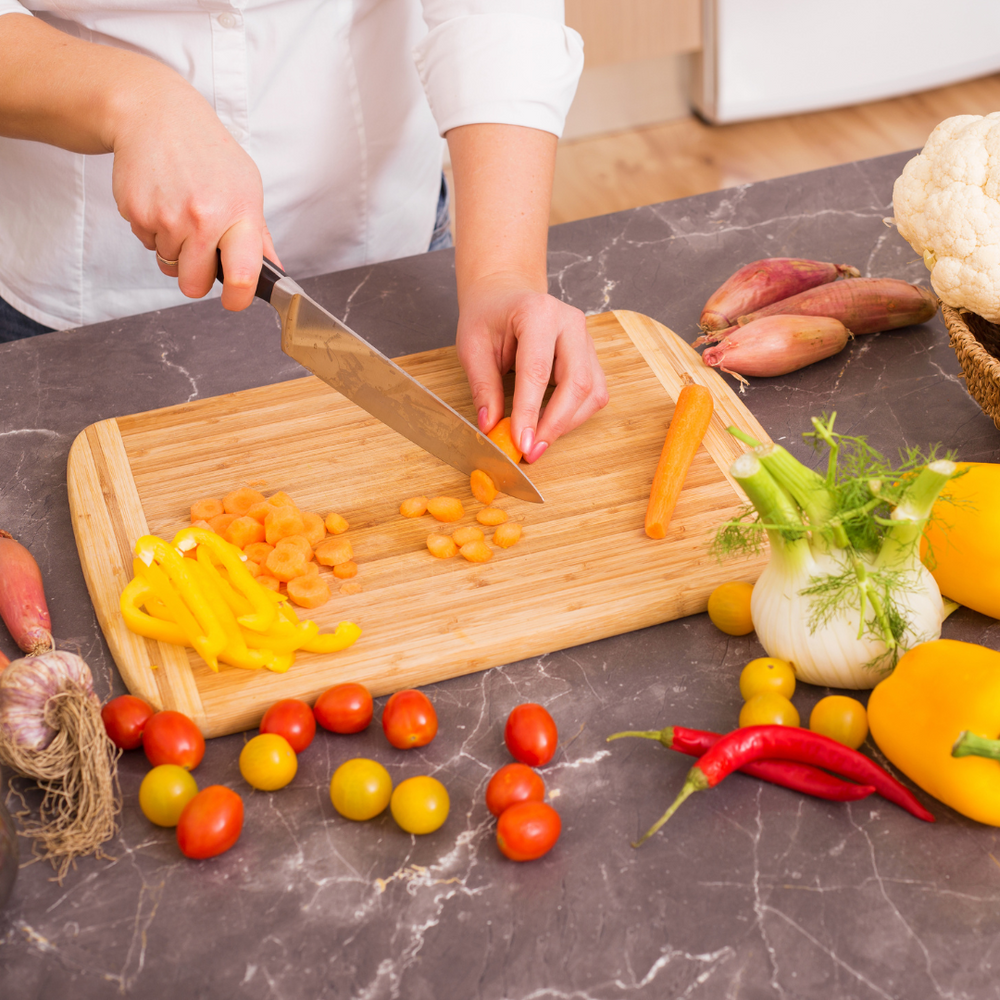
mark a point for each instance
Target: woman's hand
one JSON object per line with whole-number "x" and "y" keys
{"x": 186, "y": 186}
{"x": 503, "y": 324}
{"x": 180, "y": 179}
{"x": 503, "y": 184}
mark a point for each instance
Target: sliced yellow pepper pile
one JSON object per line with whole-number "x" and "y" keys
{"x": 213, "y": 604}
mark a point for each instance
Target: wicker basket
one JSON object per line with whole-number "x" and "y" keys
{"x": 976, "y": 342}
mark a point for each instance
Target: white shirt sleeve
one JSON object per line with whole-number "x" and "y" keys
{"x": 512, "y": 62}
{"x": 12, "y": 7}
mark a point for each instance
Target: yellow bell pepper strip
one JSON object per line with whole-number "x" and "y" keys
{"x": 172, "y": 582}
{"x": 235, "y": 652}
{"x": 239, "y": 604}
{"x": 346, "y": 634}
{"x": 938, "y": 691}
{"x": 137, "y": 593}
{"x": 263, "y": 615}
{"x": 961, "y": 543}
{"x": 282, "y": 663}
{"x": 285, "y": 641}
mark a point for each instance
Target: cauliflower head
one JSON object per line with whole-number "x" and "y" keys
{"x": 946, "y": 205}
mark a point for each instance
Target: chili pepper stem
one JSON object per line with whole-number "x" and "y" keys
{"x": 970, "y": 745}
{"x": 696, "y": 782}
{"x": 665, "y": 736}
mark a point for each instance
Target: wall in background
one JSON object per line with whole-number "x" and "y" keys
{"x": 763, "y": 58}
{"x": 638, "y": 63}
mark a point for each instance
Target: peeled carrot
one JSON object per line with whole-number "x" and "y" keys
{"x": 22, "y": 598}
{"x": 690, "y": 421}
{"x": 501, "y": 437}
{"x": 765, "y": 281}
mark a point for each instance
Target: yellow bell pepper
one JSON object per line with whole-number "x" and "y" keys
{"x": 961, "y": 544}
{"x": 938, "y": 692}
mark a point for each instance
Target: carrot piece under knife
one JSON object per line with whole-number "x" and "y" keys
{"x": 692, "y": 415}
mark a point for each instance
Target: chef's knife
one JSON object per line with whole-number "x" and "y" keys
{"x": 336, "y": 354}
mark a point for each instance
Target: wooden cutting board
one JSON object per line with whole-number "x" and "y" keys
{"x": 583, "y": 569}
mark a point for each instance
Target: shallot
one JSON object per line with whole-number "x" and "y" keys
{"x": 864, "y": 305}
{"x": 22, "y": 599}
{"x": 51, "y": 730}
{"x": 763, "y": 282}
{"x": 777, "y": 345}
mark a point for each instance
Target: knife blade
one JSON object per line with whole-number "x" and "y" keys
{"x": 346, "y": 361}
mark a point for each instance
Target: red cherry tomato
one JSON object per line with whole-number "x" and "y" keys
{"x": 409, "y": 720}
{"x": 513, "y": 783}
{"x": 210, "y": 823}
{"x": 527, "y": 830}
{"x": 172, "y": 738}
{"x": 344, "y": 708}
{"x": 531, "y": 735}
{"x": 125, "y": 717}
{"x": 292, "y": 719}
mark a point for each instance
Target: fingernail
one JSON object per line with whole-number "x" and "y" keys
{"x": 483, "y": 413}
{"x": 527, "y": 439}
{"x": 537, "y": 451}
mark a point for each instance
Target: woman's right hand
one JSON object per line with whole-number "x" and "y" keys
{"x": 186, "y": 186}
{"x": 180, "y": 179}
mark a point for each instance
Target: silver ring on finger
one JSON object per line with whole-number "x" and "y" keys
{"x": 165, "y": 262}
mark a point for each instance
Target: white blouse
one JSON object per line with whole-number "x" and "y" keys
{"x": 341, "y": 104}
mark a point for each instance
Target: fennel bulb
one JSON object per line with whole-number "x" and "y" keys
{"x": 844, "y": 594}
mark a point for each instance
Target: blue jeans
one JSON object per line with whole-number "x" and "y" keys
{"x": 15, "y": 325}
{"x": 441, "y": 237}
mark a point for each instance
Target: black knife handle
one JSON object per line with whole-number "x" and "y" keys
{"x": 270, "y": 274}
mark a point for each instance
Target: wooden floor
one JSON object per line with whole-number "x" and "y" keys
{"x": 686, "y": 156}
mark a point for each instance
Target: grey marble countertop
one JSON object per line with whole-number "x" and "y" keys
{"x": 751, "y": 891}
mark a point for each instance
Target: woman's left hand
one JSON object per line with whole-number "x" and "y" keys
{"x": 505, "y": 323}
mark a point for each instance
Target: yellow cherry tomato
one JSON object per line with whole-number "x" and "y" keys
{"x": 767, "y": 673}
{"x": 769, "y": 709}
{"x": 268, "y": 762}
{"x": 420, "y": 805}
{"x": 164, "y": 793}
{"x": 360, "y": 788}
{"x": 729, "y": 608}
{"x": 841, "y": 718}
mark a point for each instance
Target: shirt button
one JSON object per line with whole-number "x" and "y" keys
{"x": 228, "y": 20}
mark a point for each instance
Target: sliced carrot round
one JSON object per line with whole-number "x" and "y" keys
{"x": 334, "y": 551}
{"x": 286, "y": 563}
{"x": 413, "y": 507}
{"x": 441, "y": 546}
{"x": 466, "y": 534}
{"x": 491, "y": 516}
{"x": 476, "y": 551}
{"x": 483, "y": 488}
{"x": 335, "y": 524}
{"x": 445, "y": 508}
{"x": 345, "y": 570}
{"x": 506, "y": 534}
{"x": 308, "y": 591}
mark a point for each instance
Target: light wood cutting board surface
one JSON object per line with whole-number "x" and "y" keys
{"x": 583, "y": 569}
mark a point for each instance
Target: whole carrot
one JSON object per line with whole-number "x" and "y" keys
{"x": 692, "y": 415}
{"x": 765, "y": 281}
{"x": 753, "y": 743}
{"x": 863, "y": 305}
{"x": 791, "y": 774}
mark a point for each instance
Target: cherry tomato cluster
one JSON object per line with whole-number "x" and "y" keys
{"x": 527, "y": 826}
{"x": 208, "y": 821}
{"x": 767, "y": 685}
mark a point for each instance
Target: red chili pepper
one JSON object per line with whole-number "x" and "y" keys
{"x": 753, "y": 743}
{"x": 787, "y": 773}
